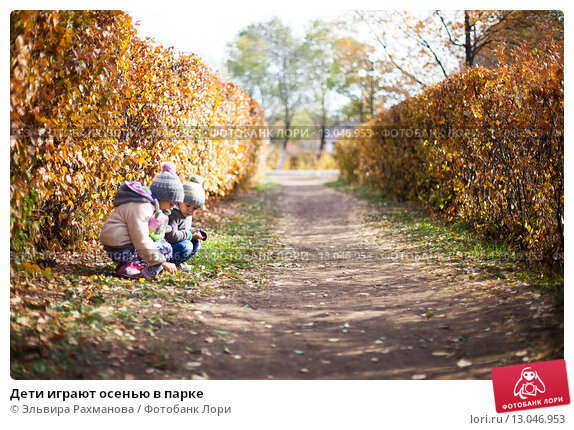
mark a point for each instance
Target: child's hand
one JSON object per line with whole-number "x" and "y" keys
{"x": 196, "y": 234}
{"x": 170, "y": 267}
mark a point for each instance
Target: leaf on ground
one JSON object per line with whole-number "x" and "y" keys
{"x": 462, "y": 363}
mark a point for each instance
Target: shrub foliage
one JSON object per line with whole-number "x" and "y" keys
{"x": 485, "y": 146}
{"x": 92, "y": 105}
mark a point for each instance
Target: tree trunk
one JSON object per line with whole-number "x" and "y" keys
{"x": 284, "y": 145}
{"x": 323, "y": 128}
{"x": 283, "y": 156}
{"x": 469, "y": 57}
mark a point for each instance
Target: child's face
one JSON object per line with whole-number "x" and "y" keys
{"x": 188, "y": 209}
{"x": 166, "y": 204}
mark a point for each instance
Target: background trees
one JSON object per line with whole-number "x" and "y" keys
{"x": 424, "y": 47}
{"x": 268, "y": 58}
{"x": 345, "y": 71}
{"x": 296, "y": 73}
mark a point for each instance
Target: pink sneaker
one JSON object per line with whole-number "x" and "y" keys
{"x": 129, "y": 270}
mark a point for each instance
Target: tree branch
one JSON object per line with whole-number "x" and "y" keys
{"x": 447, "y": 30}
{"x": 423, "y": 42}
{"x": 383, "y": 44}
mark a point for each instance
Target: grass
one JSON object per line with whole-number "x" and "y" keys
{"x": 459, "y": 242}
{"x": 81, "y": 306}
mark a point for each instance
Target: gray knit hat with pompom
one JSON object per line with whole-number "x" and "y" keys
{"x": 194, "y": 192}
{"x": 166, "y": 185}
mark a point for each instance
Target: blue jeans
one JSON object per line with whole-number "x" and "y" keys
{"x": 184, "y": 250}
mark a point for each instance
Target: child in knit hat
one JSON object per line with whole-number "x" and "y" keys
{"x": 184, "y": 239}
{"x": 133, "y": 235}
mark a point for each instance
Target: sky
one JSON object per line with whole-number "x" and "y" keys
{"x": 205, "y": 29}
{"x": 207, "y": 32}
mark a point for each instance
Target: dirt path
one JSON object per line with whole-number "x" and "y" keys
{"x": 341, "y": 304}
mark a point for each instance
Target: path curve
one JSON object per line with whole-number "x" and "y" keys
{"x": 338, "y": 305}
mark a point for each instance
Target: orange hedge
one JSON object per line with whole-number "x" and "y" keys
{"x": 92, "y": 106}
{"x": 485, "y": 146}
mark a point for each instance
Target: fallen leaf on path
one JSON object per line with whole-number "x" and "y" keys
{"x": 222, "y": 332}
{"x": 299, "y": 352}
{"x": 199, "y": 377}
{"x": 419, "y": 376}
{"x": 462, "y": 363}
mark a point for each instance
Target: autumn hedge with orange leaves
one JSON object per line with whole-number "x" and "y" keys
{"x": 92, "y": 105}
{"x": 485, "y": 147}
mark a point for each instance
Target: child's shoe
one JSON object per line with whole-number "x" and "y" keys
{"x": 129, "y": 270}
{"x": 151, "y": 272}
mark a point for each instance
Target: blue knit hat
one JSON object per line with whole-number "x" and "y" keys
{"x": 166, "y": 185}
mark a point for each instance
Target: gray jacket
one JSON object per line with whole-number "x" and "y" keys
{"x": 180, "y": 227}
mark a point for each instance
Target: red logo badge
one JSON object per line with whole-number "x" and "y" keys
{"x": 529, "y": 386}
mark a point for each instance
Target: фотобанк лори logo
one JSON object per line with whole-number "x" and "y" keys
{"x": 528, "y": 386}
